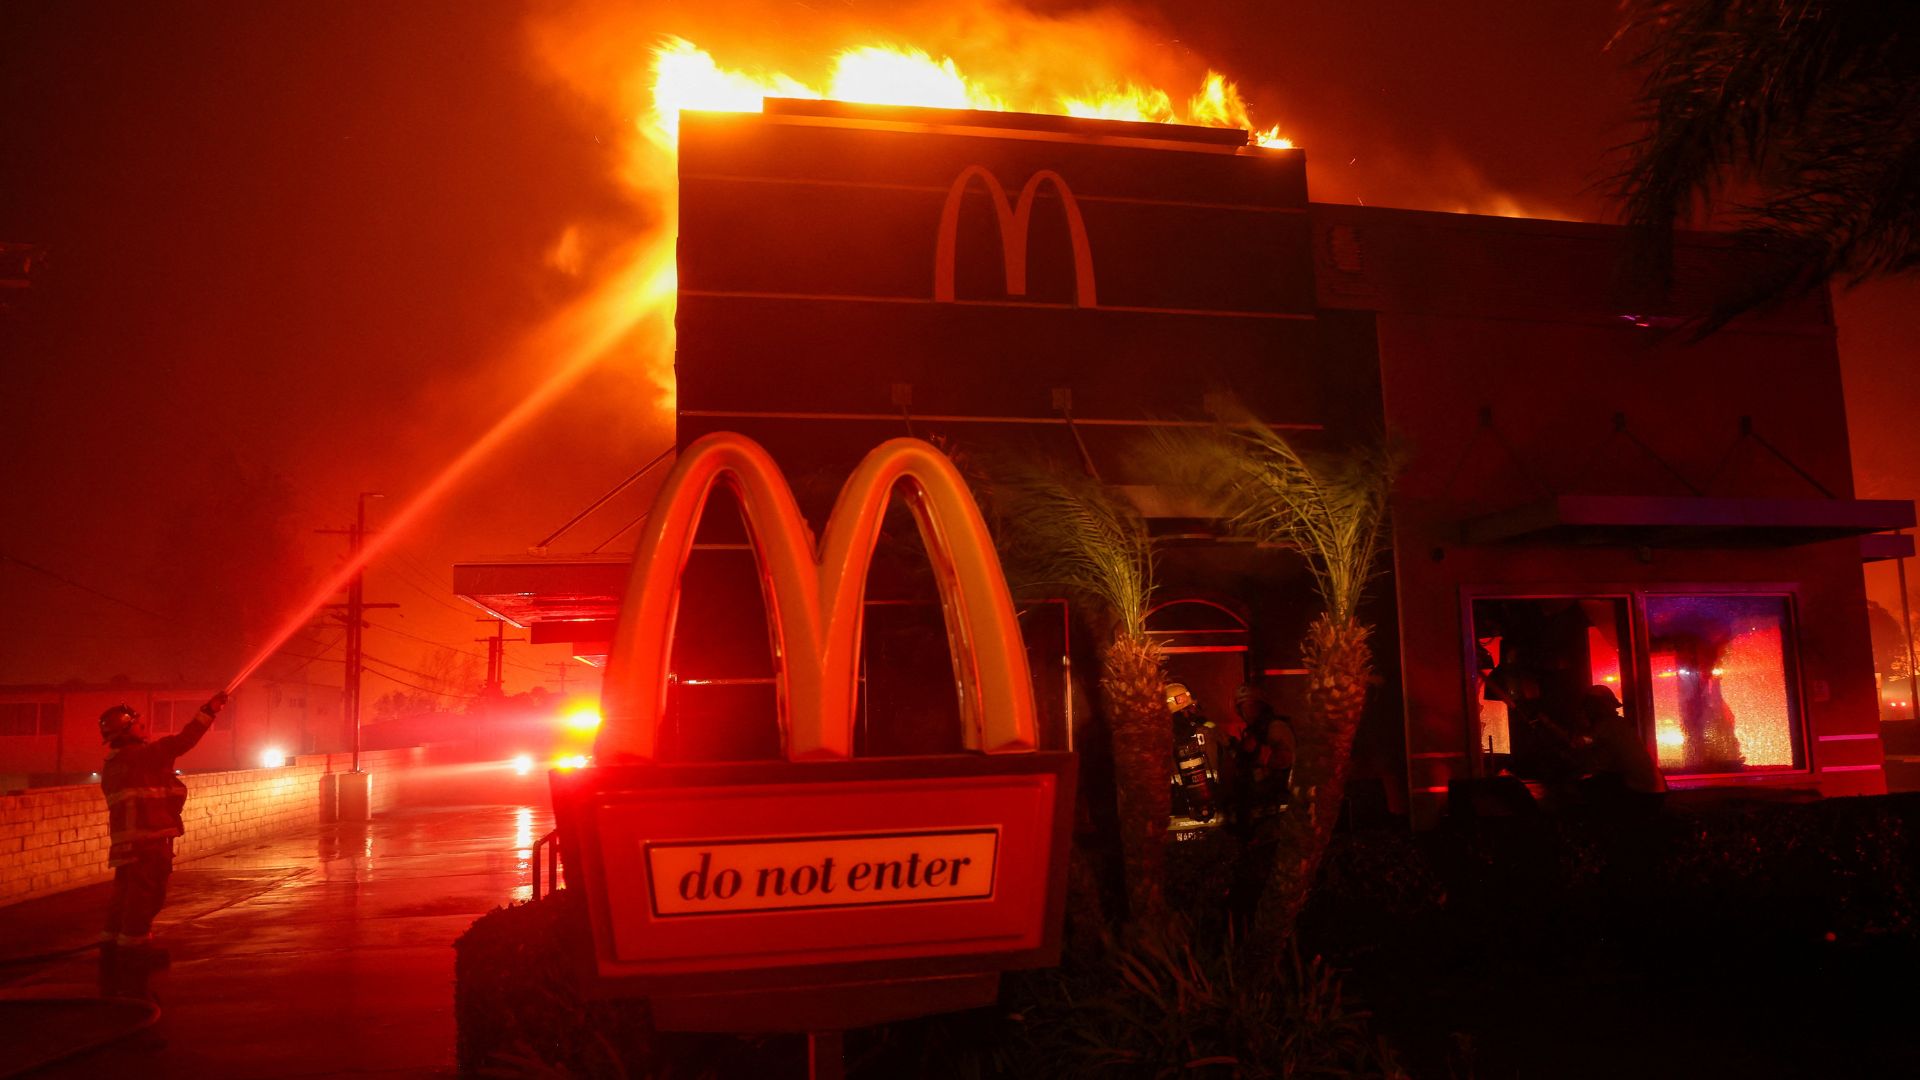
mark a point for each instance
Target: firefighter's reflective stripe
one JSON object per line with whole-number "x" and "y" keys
{"x": 134, "y": 836}
{"x": 124, "y": 794}
{"x": 132, "y": 851}
{"x": 144, "y": 799}
{"x": 125, "y": 841}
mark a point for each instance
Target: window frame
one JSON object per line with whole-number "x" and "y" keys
{"x": 1792, "y": 663}
{"x": 38, "y": 728}
{"x": 1641, "y": 660}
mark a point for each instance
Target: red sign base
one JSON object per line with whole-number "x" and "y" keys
{"x": 805, "y": 897}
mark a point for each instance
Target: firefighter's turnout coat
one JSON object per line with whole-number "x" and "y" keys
{"x": 144, "y": 797}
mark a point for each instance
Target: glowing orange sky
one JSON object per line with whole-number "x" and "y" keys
{"x": 320, "y": 238}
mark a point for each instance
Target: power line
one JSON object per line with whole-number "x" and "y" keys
{"x": 64, "y": 580}
{"x": 311, "y": 659}
{"x": 428, "y": 641}
{"x": 307, "y": 661}
{"x": 622, "y": 532}
{"x": 422, "y": 689}
{"x": 399, "y": 667}
{"x": 405, "y": 565}
{"x": 444, "y": 645}
{"x": 423, "y": 591}
{"x": 597, "y": 503}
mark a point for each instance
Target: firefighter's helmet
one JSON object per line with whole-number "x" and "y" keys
{"x": 1179, "y": 699}
{"x": 116, "y": 722}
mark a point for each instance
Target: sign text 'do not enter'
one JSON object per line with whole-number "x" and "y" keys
{"x": 793, "y": 873}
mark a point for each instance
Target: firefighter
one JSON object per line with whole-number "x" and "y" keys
{"x": 144, "y": 799}
{"x": 1613, "y": 752}
{"x": 1262, "y": 741}
{"x": 1196, "y": 760}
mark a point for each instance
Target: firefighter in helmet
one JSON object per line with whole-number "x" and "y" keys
{"x": 1197, "y": 802}
{"x": 144, "y": 799}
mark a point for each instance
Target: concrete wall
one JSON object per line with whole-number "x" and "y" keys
{"x": 53, "y": 839}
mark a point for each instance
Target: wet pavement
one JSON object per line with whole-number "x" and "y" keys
{"x": 323, "y": 953}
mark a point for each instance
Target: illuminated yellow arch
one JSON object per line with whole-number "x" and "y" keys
{"x": 1014, "y": 219}
{"x": 815, "y": 602}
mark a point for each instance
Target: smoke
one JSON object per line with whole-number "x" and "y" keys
{"x": 1440, "y": 178}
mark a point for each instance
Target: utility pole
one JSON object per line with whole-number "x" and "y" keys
{"x": 496, "y": 657}
{"x": 353, "y": 614}
{"x": 563, "y": 668}
{"x": 1906, "y": 629}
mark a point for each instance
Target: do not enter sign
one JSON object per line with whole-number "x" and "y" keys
{"x": 691, "y": 879}
{"x": 767, "y": 867}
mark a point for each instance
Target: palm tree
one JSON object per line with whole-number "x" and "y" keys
{"x": 1070, "y": 532}
{"x": 1331, "y": 509}
{"x": 1813, "y": 103}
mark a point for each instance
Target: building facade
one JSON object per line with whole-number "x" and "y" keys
{"x": 1593, "y": 498}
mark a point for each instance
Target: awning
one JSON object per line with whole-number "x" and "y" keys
{"x": 1879, "y": 547}
{"x": 1687, "y": 521}
{"x": 568, "y": 598}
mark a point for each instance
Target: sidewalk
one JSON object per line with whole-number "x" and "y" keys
{"x": 306, "y": 955}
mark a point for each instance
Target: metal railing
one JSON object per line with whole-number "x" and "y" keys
{"x": 551, "y": 842}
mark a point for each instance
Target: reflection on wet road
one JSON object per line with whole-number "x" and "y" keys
{"x": 320, "y": 952}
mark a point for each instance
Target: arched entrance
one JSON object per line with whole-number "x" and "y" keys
{"x": 1206, "y": 641}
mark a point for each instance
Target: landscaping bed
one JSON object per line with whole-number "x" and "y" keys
{"x": 1753, "y": 940}
{"x": 1731, "y": 939}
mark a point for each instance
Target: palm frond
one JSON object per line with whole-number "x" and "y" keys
{"x": 1332, "y": 508}
{"x": 1817, "y": 102}
{"x": 1061, "y": 530}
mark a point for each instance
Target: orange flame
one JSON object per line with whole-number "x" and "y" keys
{"x": 608, "y": 62}
{"x": 687, "y": 77}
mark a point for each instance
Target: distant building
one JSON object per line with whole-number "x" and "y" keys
{"x": 1591, "y": 501}
{"x": 51, "y": 735}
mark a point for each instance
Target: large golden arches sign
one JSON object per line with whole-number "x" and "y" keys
{"x": 1015, "y": 218}
{"x": 815, "y": 599}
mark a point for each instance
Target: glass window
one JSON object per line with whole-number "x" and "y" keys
{"x": 30, "y": 718}
{"x": 1724, "y": 695}
{"x": 1537, "y": 662}
{"x": 19, "y": 718}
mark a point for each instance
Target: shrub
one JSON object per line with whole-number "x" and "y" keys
{"x": 1174, "y": 1002}
{"x": 1713, "y": 878}
{"x": 1378, "y": 891}
{"x": 517, "y": 1008}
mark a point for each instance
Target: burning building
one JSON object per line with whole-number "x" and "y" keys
{"x": 1590, "y": 500}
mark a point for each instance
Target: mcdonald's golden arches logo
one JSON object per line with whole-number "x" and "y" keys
{"x": 815, "y": 598}
{"x": 1015, "y": 218}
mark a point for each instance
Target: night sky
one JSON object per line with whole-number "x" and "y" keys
{"x": 299, "y": 251}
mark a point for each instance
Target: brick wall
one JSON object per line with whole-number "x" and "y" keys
{"x": 52, "y": 839}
